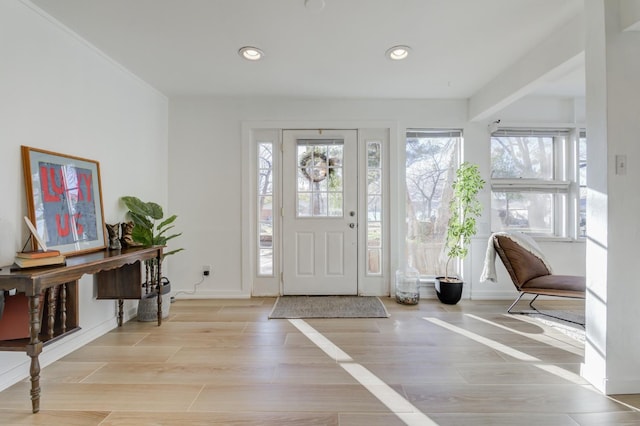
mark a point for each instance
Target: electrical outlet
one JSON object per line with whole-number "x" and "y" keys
{"x": 206, "y": 270}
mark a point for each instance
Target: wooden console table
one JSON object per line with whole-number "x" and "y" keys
{"x": 117, "y": 274}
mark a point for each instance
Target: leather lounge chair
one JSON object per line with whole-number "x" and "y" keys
{"x": 530, "y": 275}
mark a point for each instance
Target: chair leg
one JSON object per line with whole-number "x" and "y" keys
{"x": 533, "y": 300}
{"x": 552, "y": 316}
{"x": 514, "y": 304}
{"x": 509, "y": 310}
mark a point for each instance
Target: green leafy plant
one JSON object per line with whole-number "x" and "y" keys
{"x": 465, "y": 208}
{"x": 150, "y": 229}
{"x": 146, "y": 230}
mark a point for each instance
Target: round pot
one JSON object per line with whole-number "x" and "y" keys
{"x": 148, "y": 305}
{"x": 449, "y": 291}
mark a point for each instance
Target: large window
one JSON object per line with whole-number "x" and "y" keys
{"x": 431, "y": 159}
{"x": 531, "y": 181}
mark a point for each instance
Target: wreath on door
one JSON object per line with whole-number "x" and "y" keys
{"x": 315, "y": 166}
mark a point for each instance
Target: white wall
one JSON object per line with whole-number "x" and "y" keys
{"x": 205, "y": 182}
{"x": 205, "y": 185}
{"x": 59, "y": 94}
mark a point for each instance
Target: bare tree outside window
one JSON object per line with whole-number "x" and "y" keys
{"x": 517, "y": 157}
{"x": 431, "y": 159}
{"x": 374, "y": 207}
{"x": 265, "y": 208}
{"x": 530, "y": 182}
{"x": 523, "y": 157}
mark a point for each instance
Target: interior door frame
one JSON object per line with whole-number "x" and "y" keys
{"x": 385, "y": 131}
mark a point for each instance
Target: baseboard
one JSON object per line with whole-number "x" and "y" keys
{"x": 493, "y": 295}
{"x": 211, "y": 295}
{"x": 130, "y": 314}
{"x": 621, "y": 387}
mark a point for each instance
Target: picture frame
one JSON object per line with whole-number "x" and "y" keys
{"x": 64, "y": 200}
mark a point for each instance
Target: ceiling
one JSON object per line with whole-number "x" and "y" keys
{"x": 189, "y": 47}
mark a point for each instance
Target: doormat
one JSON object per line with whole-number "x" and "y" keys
{"x": 328, "y": 307}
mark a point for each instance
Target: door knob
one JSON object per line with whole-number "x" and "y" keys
{"x": 352, "y": 225}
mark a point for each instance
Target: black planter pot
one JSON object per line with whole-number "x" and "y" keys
{"x": 450, "y": 291}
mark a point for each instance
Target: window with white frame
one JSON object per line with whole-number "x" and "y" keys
{"x": 265, "y": 209}
{"x": 432, "y": 157}
{"x": 582, "y": 183}
{"x": 374, "y": 207}
{"x": 531, "y": 180}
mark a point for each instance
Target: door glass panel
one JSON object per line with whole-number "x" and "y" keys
{"x": 335, "y": 204}
{"x": 319, "y": 177}
{"x": 318, "y": 203}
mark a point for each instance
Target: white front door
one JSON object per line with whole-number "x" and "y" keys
{"x": 319, "y": 227}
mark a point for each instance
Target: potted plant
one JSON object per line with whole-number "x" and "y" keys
{"x": 464, "y": 208}
{"x": 150, "y": 229}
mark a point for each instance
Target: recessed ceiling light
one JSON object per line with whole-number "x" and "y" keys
{"x": 251, "y": 53}
{"x": 398, "y": 53}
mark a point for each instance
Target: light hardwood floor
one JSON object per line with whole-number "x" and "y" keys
{"x": 223, "y": 362}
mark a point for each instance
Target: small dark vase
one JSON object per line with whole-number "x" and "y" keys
{"x": 449, "y": 292}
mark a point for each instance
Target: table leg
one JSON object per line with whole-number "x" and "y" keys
{"x": 63, "y": 307}
{"x": 159, "y": 288}
{"x": 52, "y": 311}
{"x": 34, "y": 348}
{"x": 120, "y": 312}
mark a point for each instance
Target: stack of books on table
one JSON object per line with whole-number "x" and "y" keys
{"x": 31, "y": 259}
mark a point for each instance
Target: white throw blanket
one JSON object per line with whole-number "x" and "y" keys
{"x": 528, "y": 243}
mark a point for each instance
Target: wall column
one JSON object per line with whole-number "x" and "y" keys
{"x": 612, "y": 350}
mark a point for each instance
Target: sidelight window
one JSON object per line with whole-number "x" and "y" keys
{"x": 265, "y": 208}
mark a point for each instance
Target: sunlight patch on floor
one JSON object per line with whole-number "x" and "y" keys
{"x": 487, "y": 342}
{"x": 562, "y": 373}
{"x": 550, "y": 368}
{"x": 567, "y": 333}
{"x": 402, "y": 408}
{"x": 542, "y": 338}
{"x": 564, "y": 345}
{"x": 320, "y": 341}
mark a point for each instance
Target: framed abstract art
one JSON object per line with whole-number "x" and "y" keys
{"x": 64, "y": 199}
